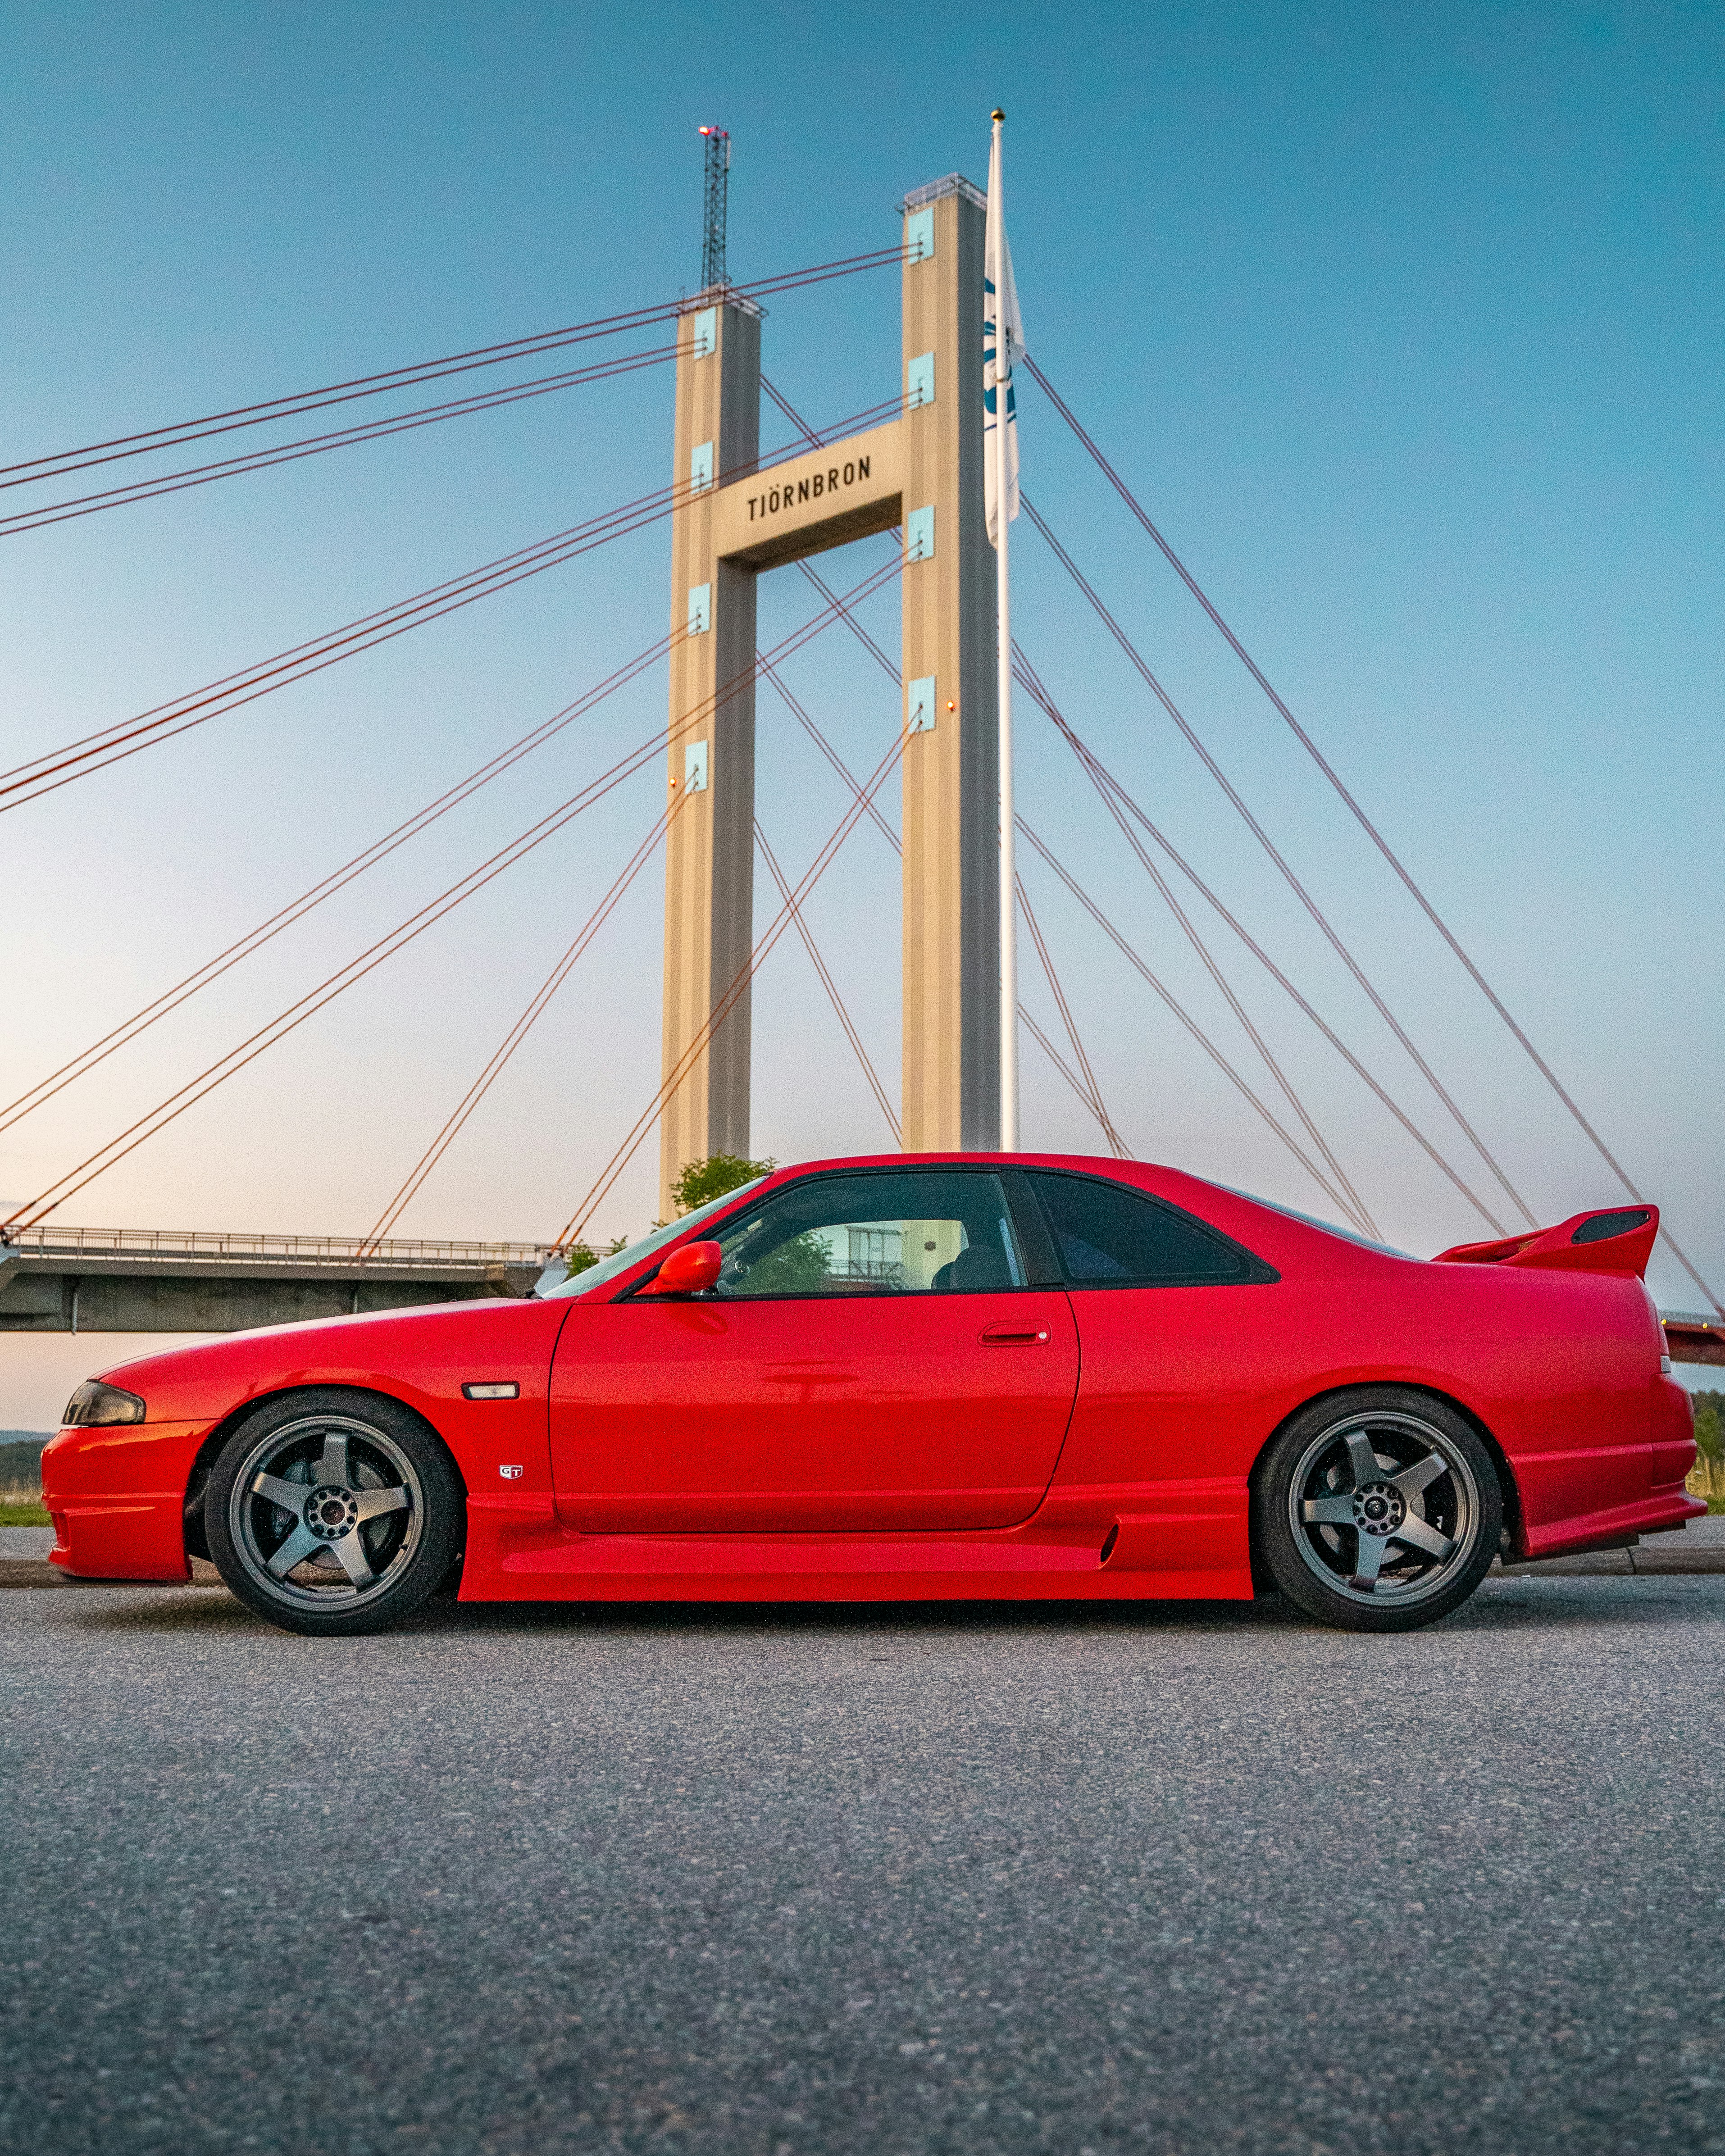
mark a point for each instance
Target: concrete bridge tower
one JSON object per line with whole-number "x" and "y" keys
{"x": 921, "y": 475}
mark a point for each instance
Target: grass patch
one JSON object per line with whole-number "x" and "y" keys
{"x": 28, "y": 1513}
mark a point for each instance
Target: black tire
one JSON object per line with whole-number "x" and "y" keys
{"x": 376, "y": 1530}
{"x": 1385, "y": 1547}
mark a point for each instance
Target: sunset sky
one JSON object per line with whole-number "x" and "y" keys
{"x": 1406, "y": 326}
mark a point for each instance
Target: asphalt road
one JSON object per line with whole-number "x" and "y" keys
{"x": 1178, "y": 1879}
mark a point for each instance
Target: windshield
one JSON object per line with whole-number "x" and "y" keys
{"x": 1311, "y": 1220}
{"x": 620, "y": 1261}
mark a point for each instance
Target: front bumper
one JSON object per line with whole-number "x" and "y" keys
{"x": 116, "y": 1496}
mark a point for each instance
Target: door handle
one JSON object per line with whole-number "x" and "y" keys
{"x": 1012, "y": 1336}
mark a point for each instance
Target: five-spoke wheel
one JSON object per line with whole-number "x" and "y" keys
{"x": 1378, "y": 1510}
{"x": 332, "y": 1512}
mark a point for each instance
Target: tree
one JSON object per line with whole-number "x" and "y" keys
{"x": 703, "y": 1180}
{"x": 580, "y": 1255}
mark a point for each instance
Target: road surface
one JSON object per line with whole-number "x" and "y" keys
{"x": 1184, "y": 1879}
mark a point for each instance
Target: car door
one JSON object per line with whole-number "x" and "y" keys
{"x": 872, "y": 1357}
{"x": 1179, "y": 1358}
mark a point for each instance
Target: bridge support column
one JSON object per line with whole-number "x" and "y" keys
{"x": 921, "y": 473}
{"x": 950, "y": 1095}
{"x": 709, "y": 891}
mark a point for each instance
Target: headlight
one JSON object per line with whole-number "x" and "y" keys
{"x": 95, "y": 1402}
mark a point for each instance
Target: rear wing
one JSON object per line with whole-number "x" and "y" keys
{"x": 1617, "y": 1242}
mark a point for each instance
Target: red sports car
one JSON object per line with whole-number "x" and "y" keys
{"x": 925, "y": 1376}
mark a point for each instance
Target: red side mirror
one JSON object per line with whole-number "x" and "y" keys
{"x": 687, "y": 1270}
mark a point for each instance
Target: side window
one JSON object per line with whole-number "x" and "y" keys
{"x": 1109, "y": 1236}
{"x": 937, "y": 1231}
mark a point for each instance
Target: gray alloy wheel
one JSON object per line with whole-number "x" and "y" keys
{"x": 1378, "y": 1511}
{"x": 333, "y": 1512}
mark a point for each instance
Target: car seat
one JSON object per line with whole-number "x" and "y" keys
{"x": 974, "y": 1271}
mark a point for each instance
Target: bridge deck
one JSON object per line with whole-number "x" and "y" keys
{"x": 164, "y": 1280}
{"x": 152, "y": 1280}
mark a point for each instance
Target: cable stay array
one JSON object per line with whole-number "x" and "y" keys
{"x": 58, "y": 464}
{"x": 316, "y": 999}
{"x": 1397, "y": 867}
{"x": 1117, "y": 798}
{"x": 823, "y": 972}
{"x": 1135, "y": 658}
{"x": 1084, "y": 1080}
{"x": 1345, "y": 1198}
{"x": 78, "y": 759}
{"x": 39, "y": 776}
{"x": 523, "y": 1025}
{"x": 1355, "y": 1205}
{"x": 337, "y": 880}
{"x": 72, "y": 506}
{"x": 577, "y": 1221}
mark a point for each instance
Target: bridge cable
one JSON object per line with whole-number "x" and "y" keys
{"x": 697, "y": 1048}
{"x": 146, "y": 490}
{"x": 66, "y": 512}
{"x": 30, "y": 780}
{"x": 1090, "y": 1091}
{"x": 829, "y": 984}
{"x": 196, "y": 1089}
{"x": 1106, "y": 783}
{"x": 887, "y": 665}
{"x": 1371, "y": 830}
{"x": 1179, "y": 1011}
{"x": 1090, "y": 1099}
{"x": 62, "y": 461}
{"x": 1036, "y": 1033}
{"x": 337, "y": 880}
{"x": 1135, "y": 659}
{"x": 800, "y": 714}
{"x": 809, "y": 434}
{"x": 1358, "y": 1210}
{"x": 523, "y": 1027}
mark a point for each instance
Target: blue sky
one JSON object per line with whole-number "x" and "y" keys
{"x": 1405, "y": 325}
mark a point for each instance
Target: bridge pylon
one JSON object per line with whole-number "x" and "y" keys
{"x": 920, "y": 473}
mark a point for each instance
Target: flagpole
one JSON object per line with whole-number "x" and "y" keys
{"x": 1003, "y": 606}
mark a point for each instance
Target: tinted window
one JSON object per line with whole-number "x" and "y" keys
{"x": 937, "y": 1231}
{"x": 1108, "y": 1236}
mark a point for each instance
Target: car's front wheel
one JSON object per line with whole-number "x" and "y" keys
{"x": 330, "y": 1512}
{"x": 1379, "y": 1511}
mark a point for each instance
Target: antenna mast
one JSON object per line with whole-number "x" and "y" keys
{"x": 712, "y": 234}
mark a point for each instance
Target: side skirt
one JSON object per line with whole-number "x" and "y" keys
{"x": 516, "y": 1554}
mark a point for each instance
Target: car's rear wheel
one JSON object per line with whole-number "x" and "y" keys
{"x": 332, "y": 1513}
{"x": 1378, "y": 1510}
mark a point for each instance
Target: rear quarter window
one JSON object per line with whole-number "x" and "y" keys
{"x": 1107, "y": 1235}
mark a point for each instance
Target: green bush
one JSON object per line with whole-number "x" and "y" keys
{"x": 703, "y": 1180}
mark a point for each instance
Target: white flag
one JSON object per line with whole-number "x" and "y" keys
{"x": 1002, "y": 345}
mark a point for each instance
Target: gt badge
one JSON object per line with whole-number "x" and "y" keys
{"x": 510, "y": 1474}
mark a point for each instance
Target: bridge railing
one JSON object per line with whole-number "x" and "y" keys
{"x": 220, "y": 1247}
